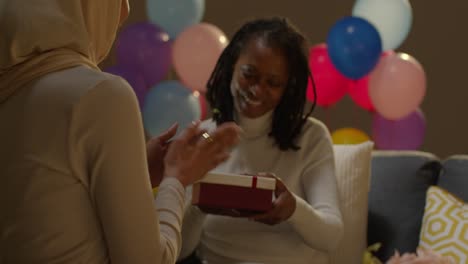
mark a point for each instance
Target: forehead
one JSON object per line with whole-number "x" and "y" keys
{"x": 259, "y": 54}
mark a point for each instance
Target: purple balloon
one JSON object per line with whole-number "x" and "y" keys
{"x": 135, "y": 79}
{"x": 404, "y": 134}
{"x": 147, "y": 48}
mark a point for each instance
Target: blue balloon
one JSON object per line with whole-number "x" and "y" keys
{"x": 354, "y": 47}
{"x": 175, "y": 15}
{"x": 167, "y": 103}
{"x": 392, "y": 18}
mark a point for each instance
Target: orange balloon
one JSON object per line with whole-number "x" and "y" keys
{"x": 349, "y": 136}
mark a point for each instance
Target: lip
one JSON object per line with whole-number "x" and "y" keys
{"x": 248, "y": 99}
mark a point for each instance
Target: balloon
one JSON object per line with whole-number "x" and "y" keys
{"x": 135, "y": 80}
{"x": 397, "y": 86}
{"x": 391, "y": 18}
{"x": 147, "y": 48}
{"x": 359, "y": 90}
{"x": 167, "y": 103}
{"x": 404, "y": 134}
{"x": 195, "y": 53}
{"x": 330, "y": 85}
{"x": 175, "y": 15}
{"x": 349, "y": 136}
{"x": 354, "y": 46}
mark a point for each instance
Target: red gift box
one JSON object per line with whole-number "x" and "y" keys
{"x": 218, "y": 193}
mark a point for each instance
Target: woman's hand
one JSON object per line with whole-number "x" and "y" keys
{"x": 156, "y": 150}
{"x": 284, "y": 204}
{"x": 196, "y": 152}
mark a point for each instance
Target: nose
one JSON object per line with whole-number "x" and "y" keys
{"x": 257, "y": 88}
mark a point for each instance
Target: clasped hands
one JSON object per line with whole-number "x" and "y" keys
{"x": 191, "y": 155}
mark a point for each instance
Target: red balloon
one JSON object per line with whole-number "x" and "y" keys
{"x": 358, "y": 90}
{"x": 330, "y": 85}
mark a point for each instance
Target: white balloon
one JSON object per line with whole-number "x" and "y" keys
{"x": 391, "y": 18}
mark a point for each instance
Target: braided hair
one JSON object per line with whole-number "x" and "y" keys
{"x": 288, "y": 116}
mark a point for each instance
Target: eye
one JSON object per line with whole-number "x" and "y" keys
{"x": 275, "y": 83}
{"x": 248, "y": 75}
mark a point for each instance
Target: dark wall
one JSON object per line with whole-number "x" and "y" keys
{"x": 438, "y": 39}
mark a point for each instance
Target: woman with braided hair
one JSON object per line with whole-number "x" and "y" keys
{"x": 260, "y": 83}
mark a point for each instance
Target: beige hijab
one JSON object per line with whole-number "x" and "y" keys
{"x": 42, "y": 36}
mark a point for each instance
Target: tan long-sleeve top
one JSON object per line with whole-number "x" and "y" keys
{"x": 74, "y": 183}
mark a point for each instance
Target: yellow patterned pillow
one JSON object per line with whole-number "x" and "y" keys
{"x": 445, "y": 225}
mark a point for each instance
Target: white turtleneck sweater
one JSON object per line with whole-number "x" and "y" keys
{"x": 309, "y": 173}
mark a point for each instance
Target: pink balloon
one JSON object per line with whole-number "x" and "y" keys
{"x": 397, "y": 86}
{"x": 358, "y": 90}
{"x": 195, "y": 53}
{"x": 331, "y": 86}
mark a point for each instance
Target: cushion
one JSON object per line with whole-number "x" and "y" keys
{"x": 454, "y": 177}
{"x": 445, "y": 225}
{"x": 397, "y": 197}
{"x": 353, "y": 173}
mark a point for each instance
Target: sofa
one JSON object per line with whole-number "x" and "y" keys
{"x": 397, "y": 196}
{"x": 383, "y": 198}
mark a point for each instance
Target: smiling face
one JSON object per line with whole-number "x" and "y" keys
{"x": 260, "y": 78}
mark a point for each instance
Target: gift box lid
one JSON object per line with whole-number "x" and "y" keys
{"x": 250, "y": 181}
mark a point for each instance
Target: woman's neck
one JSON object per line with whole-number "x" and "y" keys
{"x": 254, "y": 127}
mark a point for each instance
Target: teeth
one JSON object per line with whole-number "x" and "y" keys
{"x": 247, "y": 99}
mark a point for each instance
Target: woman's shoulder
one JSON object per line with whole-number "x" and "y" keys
{"x": 69, "y": 87}
{"x": 89, "y": 80}
{"x": 313, "y": 126}
{"x": 315, "y": 134}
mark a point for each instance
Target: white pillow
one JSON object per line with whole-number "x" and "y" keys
{"x": 353, "y": 163}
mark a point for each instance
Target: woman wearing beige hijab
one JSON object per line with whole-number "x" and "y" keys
{"x": 74, "y": 174}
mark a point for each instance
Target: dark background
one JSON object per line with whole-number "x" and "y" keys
{"x": 438, "y": 40}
